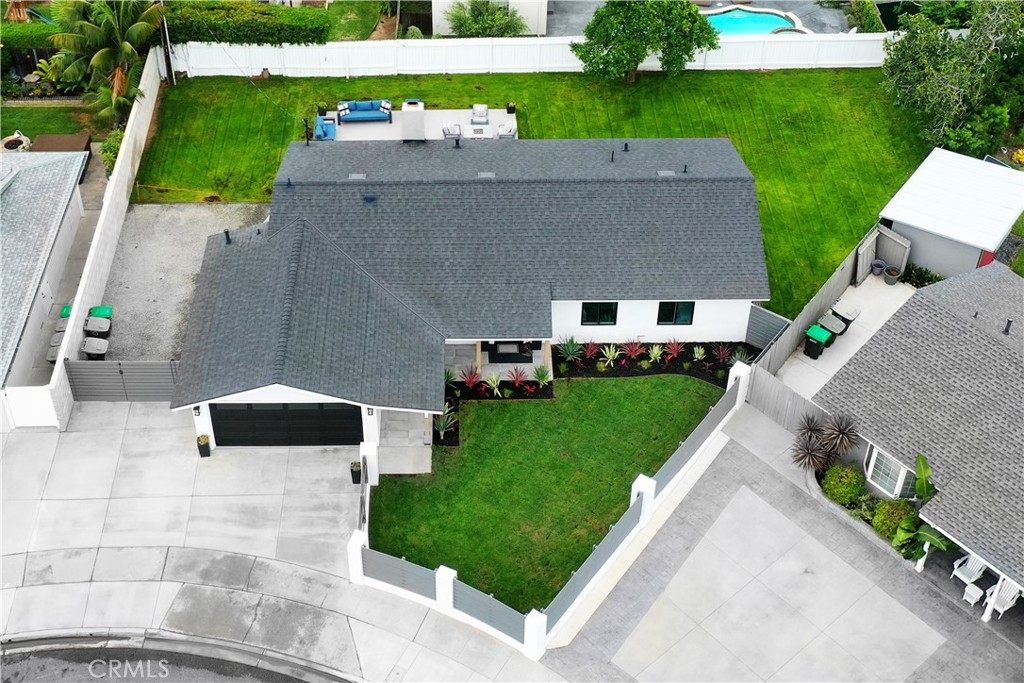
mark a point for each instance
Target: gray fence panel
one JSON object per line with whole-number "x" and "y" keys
{"x": 588, "y": 570}
{"x": 865, "y": 255}
{"x": 696, "y": 439}
{"x": 763, "y": 326}
{"x": 121, "y": 380}
{"x": 892, "y": 248}
{"x": 778, "y": 402}
{"x": 790, "y": 340}
{"x": 400, "y": 573}
{"x": 485, "y": 608}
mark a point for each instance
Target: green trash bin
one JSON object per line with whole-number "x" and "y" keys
{"x": 817, "y": 338}
{"x": 66, "y": 311}
{"x": 101, "y": 312}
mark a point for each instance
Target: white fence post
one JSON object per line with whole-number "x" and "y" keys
{"x": 444, "y": 588}
{"x": 643, "y": 487}
{"x": 535, "y": 635}
{"x": 741, "y": 373}
{"x": 919, "y": 567}
{"x": 356, "y": 542}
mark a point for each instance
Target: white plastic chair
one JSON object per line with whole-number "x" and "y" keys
{"x": 507, "y": 130}
{"x": 968, "y": 569}
{"x": 480, "y": 115}
{"x": 1005, "y": 598}
{"x": 451, "y": 131}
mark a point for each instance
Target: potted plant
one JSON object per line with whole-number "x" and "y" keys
{"x": 877, "y": 266}
{"x": 203, "y": 441}
{"x": 321, "y": 108}
{"x": 892, "y": 275}
{"x": 510, "y": 107}
{"x": 356, "y": 468}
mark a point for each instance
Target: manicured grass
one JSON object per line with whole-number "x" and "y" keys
{"x": 353, "y": 19}
{"x": 1018, "y": 263}
{"x": 535, "y": 484}
{"x": 826, "y": 147}
{"x": 33, "y": 121}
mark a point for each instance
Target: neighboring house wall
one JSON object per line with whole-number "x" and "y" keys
{"x": 533, "y": 12}
{"x": 723, "y": 320}
{"x": 33, "y": 337}
{"x": 944, "y": 256}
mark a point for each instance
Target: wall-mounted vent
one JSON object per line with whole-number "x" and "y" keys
{"x": 666, "y": 174}
{"x": 485, "y": 174}
{"x": 357, "y": 176}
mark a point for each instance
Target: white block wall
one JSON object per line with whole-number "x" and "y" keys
{"x": 721, "y": 320}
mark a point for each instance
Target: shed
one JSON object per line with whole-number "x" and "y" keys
{"x": 956, "y": 211}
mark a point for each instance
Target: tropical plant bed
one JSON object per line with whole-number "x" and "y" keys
{"x": 709, "y": 362}
{"x": 456, "y": 392}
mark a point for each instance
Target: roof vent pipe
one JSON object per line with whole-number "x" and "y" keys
{"x": 227, "y": 236}
{"x": 625, "y": 147}
{"x": 457, "y": 145}
{"x": 684, "y": 168}
{"x": 1009, "y": 321}
{"x": 613, "y": 156}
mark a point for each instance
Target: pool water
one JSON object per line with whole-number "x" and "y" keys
{"x": 737, "y": 22}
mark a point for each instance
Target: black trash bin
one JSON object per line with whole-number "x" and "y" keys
{"x": 817, "y": 337}
{"x": 94, "y": 348}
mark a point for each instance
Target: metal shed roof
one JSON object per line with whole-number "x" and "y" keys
{"x": 960, "y": 198}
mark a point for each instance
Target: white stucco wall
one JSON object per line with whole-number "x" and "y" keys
{"x": 36, "y": 333}
{"x": 944, "y": 256}
{"x": 721, "y": 320}
{"x": 533, "y": 12}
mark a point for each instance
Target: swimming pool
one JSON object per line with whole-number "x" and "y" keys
{"x": 738, "y": 21}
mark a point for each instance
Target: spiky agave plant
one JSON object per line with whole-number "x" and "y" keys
{"x": 810, "y": 426}
{"x": 839, "y": 435}
{"x": 809, "y": 453}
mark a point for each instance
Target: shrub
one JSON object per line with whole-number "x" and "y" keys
{"x": 645, "y": 365}
{"x": 722, "y": 352}
{"x": 919, "y": 276}
{"x": 865, "y": 16}
{"x": 413, "y": 33}
{"x": 699, "y": 353}
{"x": 493, "y": 382}
{"x": 740, "y": 355}
{"x": 110, "y": 148}
{"x": 673, "y": 349}
{"x": 470, "y": 375}
{"x": 889, "y": 514}
{"x": 864, "y": 510}
{"x": 446, "y": 420}
{"x": 632, "y": 349}
{"x": 656, "y": 352}
{"x": 484, "y": 19}
{"x": 246, "y": 23}
{"x": 843, "y": 484}
{"x": 34, "y": 34}
{"x": 517, "y": 376}
{"x": 541, "y": 375}
{"x": 1018, "y": 157}
{"x": 981, "y": 133}
{"x": 569, "y": 348}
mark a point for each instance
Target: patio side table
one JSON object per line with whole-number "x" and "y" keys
{"x": 972, "y": 593}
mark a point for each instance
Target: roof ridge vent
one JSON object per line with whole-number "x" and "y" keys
{"x": 666, "y": 174}
{"x": 357, "y": 176}
{"x": 485, "y": 174}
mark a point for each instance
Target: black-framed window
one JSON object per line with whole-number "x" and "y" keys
{"x": 600, "y": 312}
{"x": 675, "y": 313}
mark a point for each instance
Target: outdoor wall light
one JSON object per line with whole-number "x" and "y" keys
{"x": 369, "y": 411}
{"x": 196, "y": 410}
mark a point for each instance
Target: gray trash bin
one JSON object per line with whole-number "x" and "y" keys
{"x": 56, "y": 338}
{"x": 94, "y": 348}
{"x": 97, "y": 327}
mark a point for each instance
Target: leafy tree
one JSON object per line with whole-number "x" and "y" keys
{"x": 624, "y": 33}
{"x": 484, "y": 19}
{"x": 981, "y": 133}
{"x": 100, "y": 40}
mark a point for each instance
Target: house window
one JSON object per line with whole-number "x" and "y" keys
{"x": 600, "y": 313}
{"x": 890, "y": 476}
{"x": 675, "y": 313}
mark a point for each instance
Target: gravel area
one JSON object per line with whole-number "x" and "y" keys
{"x": 155, "y": 271}
{"x": 1009, "y": 248}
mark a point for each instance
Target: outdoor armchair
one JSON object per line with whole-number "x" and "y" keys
{"x": 968, "y": 569}
{"x": 1005, "y": 598}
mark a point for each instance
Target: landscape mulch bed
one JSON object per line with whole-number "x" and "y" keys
{"x": 459, "y": 392}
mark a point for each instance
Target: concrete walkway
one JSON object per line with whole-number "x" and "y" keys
{"x": 752, "y": 578}
{"x": 116, "y": 531}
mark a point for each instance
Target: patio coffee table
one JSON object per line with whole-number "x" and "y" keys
{"x": 972, "y": 593}
{"x": 477, "y": 132}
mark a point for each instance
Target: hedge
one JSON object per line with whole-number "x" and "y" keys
{"x": 866, "y": 17}
{"x": 247, "y": 23}
{"x": 842, "y": 484}
{"x": 26, "y": 36}
{"x": 889, "y": 514}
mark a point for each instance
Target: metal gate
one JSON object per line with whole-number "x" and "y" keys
{"x": 115, "y": 380}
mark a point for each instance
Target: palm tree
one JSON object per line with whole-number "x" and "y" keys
{"x": 101, "y": 40}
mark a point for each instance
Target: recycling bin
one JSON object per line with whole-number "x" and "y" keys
{"x": 101, "y": 311}
{"x": 97, "y": 327}
{"x": 816, "y": 339}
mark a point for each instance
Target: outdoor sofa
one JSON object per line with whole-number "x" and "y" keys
{"x": 364, "y": 110}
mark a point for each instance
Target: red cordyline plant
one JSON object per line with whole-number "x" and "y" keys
{"x": 590, "y": 350}
{"x": 530, "y": 389}
{"x": 722, "y": 352}
{"x": 709, "y": 366}
{"x": 632, "y": 349}
{"x": 470, "y": 375}
{"x": 517, "y": 376}
{"x": 673, "y": 349}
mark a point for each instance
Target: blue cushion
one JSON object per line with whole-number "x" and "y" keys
{"x": 364, "y": 106}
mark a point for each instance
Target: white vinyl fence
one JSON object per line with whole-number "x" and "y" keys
{"x": 510, "y": 55}
{"x": 56, "y": 411}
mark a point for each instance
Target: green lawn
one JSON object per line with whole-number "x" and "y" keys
{"x": 33, "y": 121}
{"x": 1018, "y": 263}
{"x": 826, "y": 147}
{"x": 353, "y": 19}
{"x": 535, "y": 484}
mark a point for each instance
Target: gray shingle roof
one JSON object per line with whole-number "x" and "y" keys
{"x": 482, "y": 258}
{"x": 37, "y": 188}
{"x": 287, "y": 308}
{"x": 937, "y": 380}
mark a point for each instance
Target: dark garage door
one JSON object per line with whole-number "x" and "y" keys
{"x": 286, "y": 424}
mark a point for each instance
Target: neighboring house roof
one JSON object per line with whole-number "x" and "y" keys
{"x": 960, "y": 198}
{"x": 473, "y": 256}
{"x": 35, "y": 190}
{"x": 938, "y": 380}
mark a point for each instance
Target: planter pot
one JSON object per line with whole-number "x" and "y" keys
{"x": 357, "y": 473}
{"x": 877, "y": 266}
{"x": 510, "y": 108}
{"x": 892, "y": 275}
{"x": 321, "y": 112}
{"x": 204, "y": 449}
